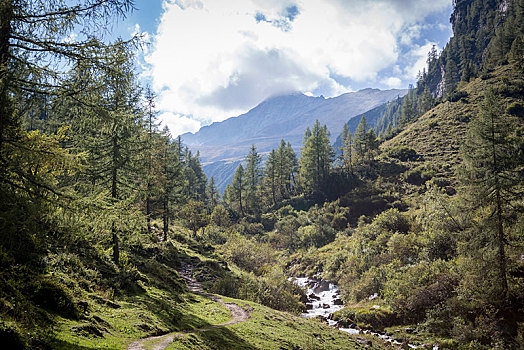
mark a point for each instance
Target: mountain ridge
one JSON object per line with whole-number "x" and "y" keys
{"x": 278, "y": 117}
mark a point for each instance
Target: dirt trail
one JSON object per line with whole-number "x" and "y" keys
{"x": 238, "y": 315}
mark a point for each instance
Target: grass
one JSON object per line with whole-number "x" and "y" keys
{"x": 268, "y": 329}
{"x": 152, "y": 313}
{"x": 156, "y": 313}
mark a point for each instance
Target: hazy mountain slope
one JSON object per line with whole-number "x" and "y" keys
{"x": 376, "y": 118}
{"x": 279, "y": 117}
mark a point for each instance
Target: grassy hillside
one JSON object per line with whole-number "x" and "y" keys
{"x": 437, "y": 134}
{"x": 80, "y": 304}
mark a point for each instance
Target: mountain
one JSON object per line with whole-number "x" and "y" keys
{"x": 223, "y": 145}
{"x": 377, "y": 118}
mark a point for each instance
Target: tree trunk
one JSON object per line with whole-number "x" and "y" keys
{"x": 166, "y": 216}
{"x": 6, "y": 15}
{"x": 148, "y": 211}
{"x": 114, "y": 196}
{"x": 116, "y": 248}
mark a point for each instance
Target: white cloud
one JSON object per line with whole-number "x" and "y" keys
{"x": 178, "y": 124}
{"x": 215, "y": 59}
{"x": 392, "y": 82}
{"x": 418, "y": 60}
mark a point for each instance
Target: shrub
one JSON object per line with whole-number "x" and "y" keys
{"x": 392, "y": 221}
{"x": 53, "y": 296}
{"x": 457, "y": 96}
{"x": 403, "y": 153}
{"x": 418, "y": 176}
{"x": 367, "y": 317}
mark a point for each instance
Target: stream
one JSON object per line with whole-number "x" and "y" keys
{"x": 324, "y": 299}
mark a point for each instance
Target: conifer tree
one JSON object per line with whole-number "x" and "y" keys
{"x": 347, "y": 149}
{"x": 426, "y": 101}
{"x": 360, "y": 139}
{"x": 171, "y": 178}
{"x": 270, "y": 179}
{"x": 238, "y": 188}
{"x": 493, "y": 180}
{"x": 212, "y": 193}
{"x": 253, "y": 175}
{"x": 316, "y": 159}
{"x": 408, "y": 111}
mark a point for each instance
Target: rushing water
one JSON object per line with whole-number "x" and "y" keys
{"x": 324, "y": 300}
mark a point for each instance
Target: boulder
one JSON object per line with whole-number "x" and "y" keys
{"x": 338, "y": 301}
{"x": 312, "y": 296}
{"x": 321, "y": 286}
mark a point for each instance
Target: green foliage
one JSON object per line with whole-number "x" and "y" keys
{"x": 418, "y": 175}
{"x": 316, "y": 159}
{"x": 403, "y": 153}
{"x": 372, "y": 316}
{"x": 53, "y": 296}
{"x": 194, "y": 214}
{"x": 274, "y": 290}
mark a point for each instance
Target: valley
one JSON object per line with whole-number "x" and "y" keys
{"x": 375, "y": 219}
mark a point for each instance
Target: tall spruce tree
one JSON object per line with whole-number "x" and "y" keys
{"x": 316, "y": 159}
{"x": 253, "y": 175}
{"x": 347, "y": 149}
{"x": 492, "y": 175}
{"x": 238, "y": 189}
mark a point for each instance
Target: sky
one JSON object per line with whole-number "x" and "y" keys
{"x": 208, "y": 60}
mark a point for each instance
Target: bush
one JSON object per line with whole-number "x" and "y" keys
{"x": 418, "y": 176}
{"x": 249, "y": 254}
{"x": 274, "y": 291}
{"x": 457, "y": 96}
{"x": 392, "y": 221}
{"x": 53, "y": 296}
{"x": 373, "y": 317}
{"x": 403, "y": 153}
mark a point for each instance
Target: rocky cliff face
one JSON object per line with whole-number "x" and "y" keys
{"x": 224, "y": 144}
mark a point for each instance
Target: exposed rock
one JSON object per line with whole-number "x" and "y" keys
{"x": 309, "y": 306}
{"x": 338, "y": 301}
{"x": 321, "y": 318}
{"x": 313, "y": 296}
{"x": 322, "y": 286}
{"x": 325, "y": 306}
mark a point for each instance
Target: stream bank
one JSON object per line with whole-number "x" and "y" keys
{"x": 323, "y": 300}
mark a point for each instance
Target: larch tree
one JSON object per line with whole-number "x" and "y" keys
{"x": 492, "y": 177}
{"x": 316, "y": 159}
{"x": 238, "y": 188}
{"x": 347, "y": 149}
{"x": 253, "y": 177}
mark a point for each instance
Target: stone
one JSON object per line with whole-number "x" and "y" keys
{"x": 321, "y": 286}
{"x": 313, "y": 296}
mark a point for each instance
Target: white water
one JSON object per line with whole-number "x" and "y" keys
{"x": 326, "y": 297}
{"x": 327, "y": 293}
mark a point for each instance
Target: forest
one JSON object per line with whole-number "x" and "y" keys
{"x": 103, "y": 212}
